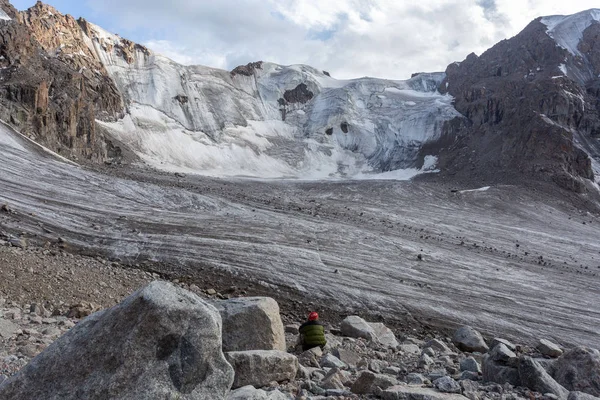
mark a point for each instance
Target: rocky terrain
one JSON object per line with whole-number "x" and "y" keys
{"x": 259, "y": 357}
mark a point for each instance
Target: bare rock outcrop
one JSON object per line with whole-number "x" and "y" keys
{"x": 161, "y": 342}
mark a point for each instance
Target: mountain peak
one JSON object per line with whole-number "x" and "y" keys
{"x": 567, "y": 30}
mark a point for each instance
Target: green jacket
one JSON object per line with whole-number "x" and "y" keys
{"x": 313, "y": 334}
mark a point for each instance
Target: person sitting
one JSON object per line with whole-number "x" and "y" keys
{"x": 312, "y": 333}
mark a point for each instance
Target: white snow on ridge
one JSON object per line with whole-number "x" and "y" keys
{"x": 567, "y": 31}
{"x": 212, "y": 122}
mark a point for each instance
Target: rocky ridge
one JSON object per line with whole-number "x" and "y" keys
{"x": 529, "y": 108}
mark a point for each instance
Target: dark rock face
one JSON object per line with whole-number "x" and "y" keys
{"x": 51, "y": 98}
{"x": 300, "y": 94}
{"x": 248, "y": 69}
{"x": 522, "y": 116}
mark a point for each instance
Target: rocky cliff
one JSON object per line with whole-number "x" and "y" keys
{"x": 529, "y": 105}
{"x": 48, "y": 93}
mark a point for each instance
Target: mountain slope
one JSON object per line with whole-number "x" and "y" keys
{"x": 525, "y": 109}
{"x": 531, "y": 105}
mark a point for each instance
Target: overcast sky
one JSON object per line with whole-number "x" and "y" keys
{"x": 348, "y": 38}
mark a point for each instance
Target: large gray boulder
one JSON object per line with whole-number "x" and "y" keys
{"x": 261, "y": 367}
{"x": 251, "y": 323}
{"x": 535, "y": 377}
{"x": 468, "y": 339}
{"x": 162, "y": 342}
{"x": 579, "y": 370}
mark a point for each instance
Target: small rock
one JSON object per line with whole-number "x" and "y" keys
{"x": 425, "y": 361}
{"x": 292, "y": 328}
{"x": 378, "y": 365}
{"x": 367, "y": 381}
{"x": 351, "y": 358}
{"x": 429, "y": 351}
{"x": 505, "y": 342}
{"x": 410, "y": 349}
{"x": 447, "y": 385}
{"x": 331, "y": 361}
{"x": 438, "y": 346}
{"x": 549, "y": 349}
{"x": 211, "y": 292}
{"x": 415, "y": 379}
{"x": 502, "y": 354}
{"x": 468, "y": 339}
{"x": 260, "y": 367}
{"x": 7, "y": 329}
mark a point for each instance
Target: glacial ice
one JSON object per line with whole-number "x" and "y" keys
{"x": 212, "y": 122}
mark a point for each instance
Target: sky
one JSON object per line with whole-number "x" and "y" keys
{"x": 348, "y": 38}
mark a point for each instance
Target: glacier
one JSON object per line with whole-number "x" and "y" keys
{"x": 270, "y": 121}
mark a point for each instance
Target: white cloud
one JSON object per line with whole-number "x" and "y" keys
{"x": 349, "y": 38}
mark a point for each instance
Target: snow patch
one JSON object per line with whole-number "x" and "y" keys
{"x": 567, "y": 31}
{"x": 563, "y": 69}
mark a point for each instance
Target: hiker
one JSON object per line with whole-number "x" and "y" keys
{"x": 312, "y": 333}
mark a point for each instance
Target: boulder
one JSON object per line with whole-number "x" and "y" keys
{"x": 534, "y": 377}
{"x": 356, "y": 327}
{"x": 502, "y": 354}
{"x": 417, "y": 393}
{"x": 160, "y": 342}
{"x": 367, "y": 382}
{"x": 468, "y": 339}
{"x": 425, "y": 361}
{"x": 261, "y": 367}
{"x": 446, "y": 385}
{"x": 579, "y": 370}
{"x": 251, "y": 393}
{"x": 496, "y": 372}
{"x": 251, "y": 323}
{"x": 333, "y": 380}
{"x": 549, "y": 349}
{"x": 384, "y": 335}
{"x": 410, "y": 349}
{"x": 470, "y": 364}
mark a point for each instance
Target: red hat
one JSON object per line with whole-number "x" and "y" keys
{"x": 313, "y": 316}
